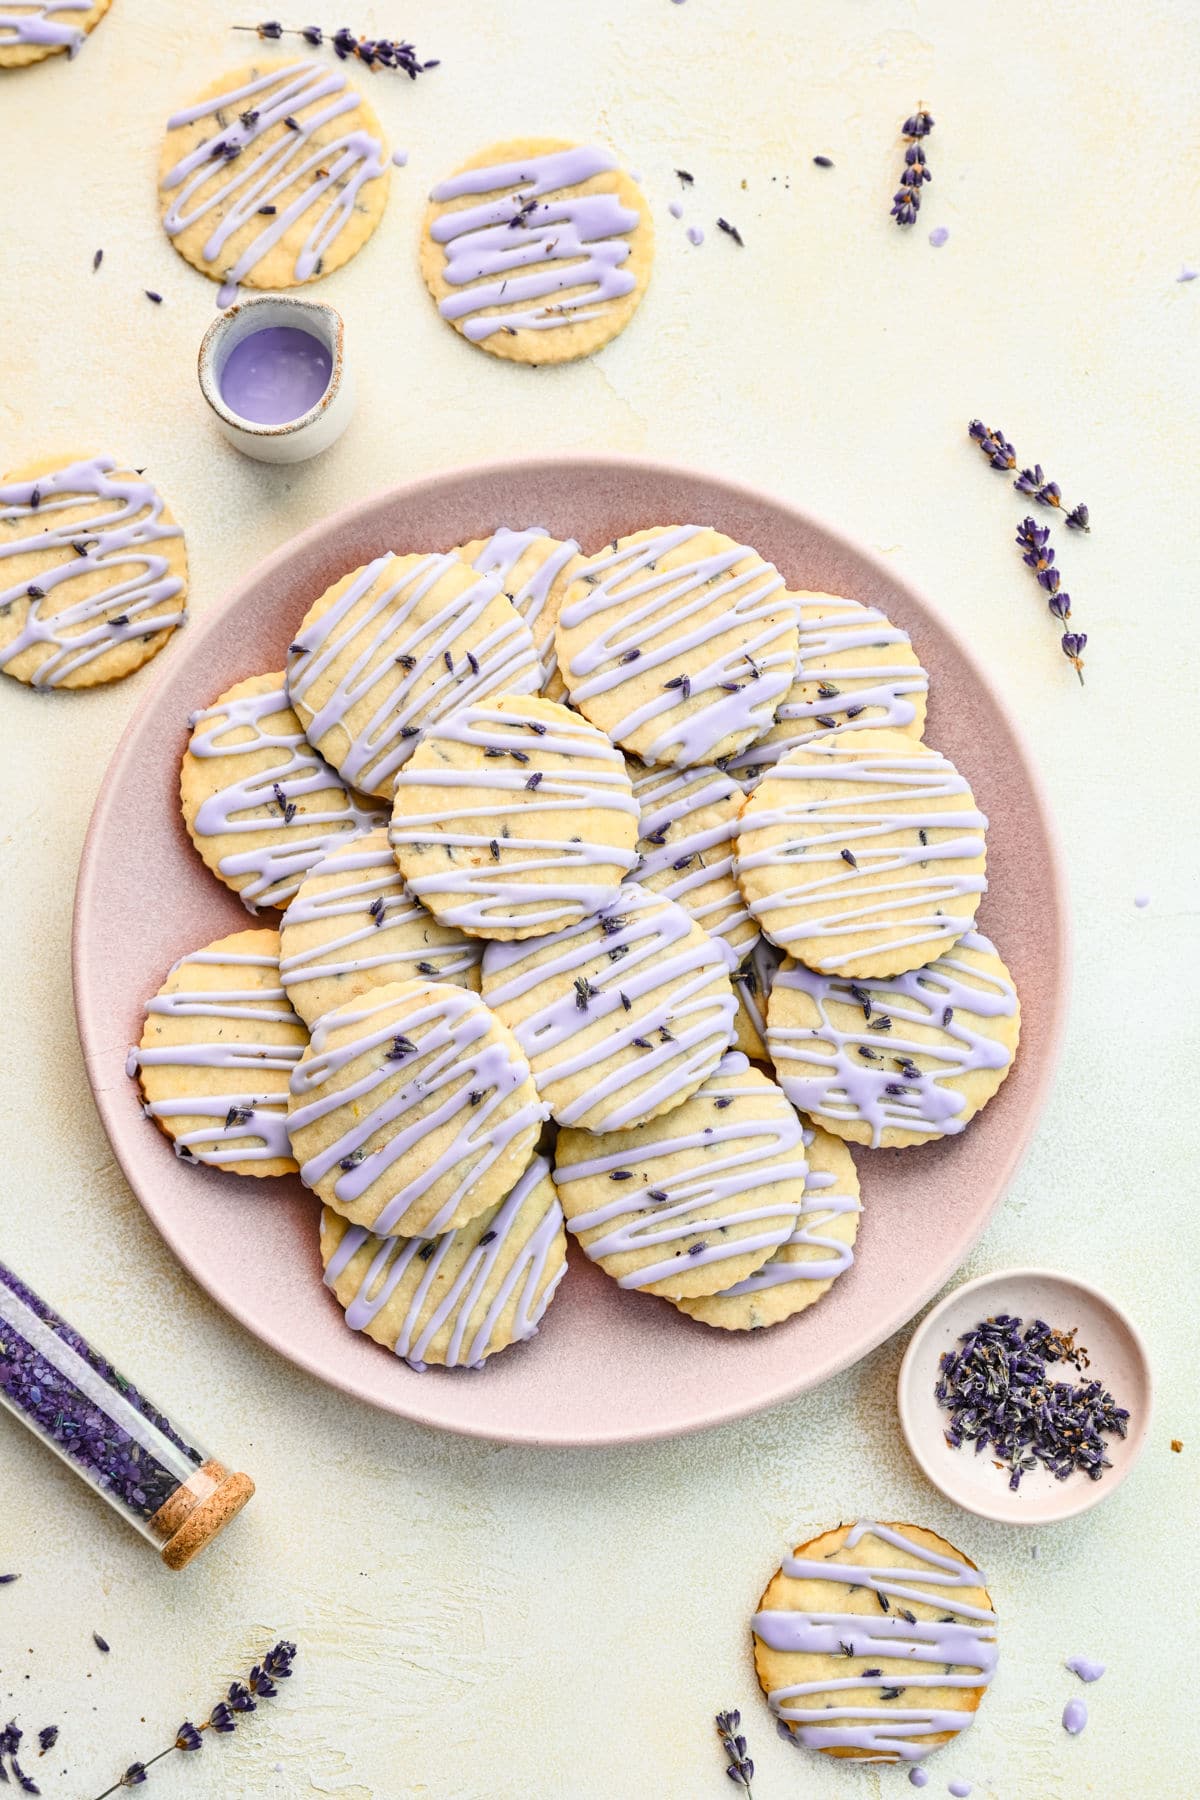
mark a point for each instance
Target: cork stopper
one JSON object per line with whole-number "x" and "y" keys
{"x": 198, "y": 1511}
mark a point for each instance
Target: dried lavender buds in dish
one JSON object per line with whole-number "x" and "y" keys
{"x": 998, "y": 1393}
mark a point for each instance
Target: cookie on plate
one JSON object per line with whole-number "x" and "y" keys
{"x": 31, "y": 30}
{"x": 353, "y": 926}
{"x": 678, "y": 643}
{"x": 93, "y": 572}
{"x": 862, "y": 853}
{"x": 752, "y": 988}
{"x": 538, "y": 249}
{"x": 219, "y": 1045}
{"x": 900, "y": 1060}
{"x": 806, "y": 1264}
{"x": 858, "y": 671}
{"x": 395, "y": 645}
{"x": 514, "y": 817}
{"x": 412, "y": 1110}
{"x": 695, "y": 1200}
{"x": 260, "y": 805}
{"x": 875, "y": 1642}
{"x": 453, "y": 1300}
{"x": 689, "y": 820}
{"x": 621, "y": 1016}
{"x": 274, "y": 176}
{"x": 533, "y": 569}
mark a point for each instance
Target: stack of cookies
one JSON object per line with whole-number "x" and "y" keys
{"x": 618, "y": 892}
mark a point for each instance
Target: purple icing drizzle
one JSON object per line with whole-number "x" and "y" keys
{"x": 830, "y": 847}
{"x": 499, "y": 558}
{"x": 339, "y": 168}
{"x": 633, "y": 605}
{"x": 461, "y": 1299}
{"x": 396, "y": 621}
{"x": 516, "y": 245}
{"x": 755, "y": 981}
{"x": 457, "y": 1052}
{"x": 116, "y": 541}
{"x": 840, "y": 1083}
{"x": 253, "y": 1124}
{"x": 749, "y": 1156}
{"x": 960, "y": 1650}
{"x": 693, "y": 859}
{"x": 639, "y": 949}
{"x": 269, "y": 874}
{"x": 39, "y": 27}
{"x": 547, "y": 886}
{"x": 829, "y": 627}
{"x": 815, "y": 1214}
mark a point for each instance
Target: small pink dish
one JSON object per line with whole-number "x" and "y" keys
{"x": 1118, "y": 1359}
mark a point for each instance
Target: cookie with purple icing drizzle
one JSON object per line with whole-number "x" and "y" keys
{"x": 31, "y": 30}
{"x": 534, "y": 570}
{"x": 514, "y": 817}
{"x": 875, "y": 1642}
{"x": 394, "y": 646}
{"x": 902, "y": 1059}
{"x": 697, "y": 1199}
{"x": 260, "y": 805}
{"x": 354, "y": 926}
{"x": 457, "y": 1299}
{"x": 538, "y": 250}
{"x": 752, "y": 988}
{"x": 621, "y": 1015}
{"x": 218, "y": 1049}
{"x": 93, "y": 572}
{"x": 809, "y": 1261}
{"x": 679, "y": 643}
{"x": 275, "y": 176}
{"x": 413, "y": 1109}
{"x": 689, "y": 821}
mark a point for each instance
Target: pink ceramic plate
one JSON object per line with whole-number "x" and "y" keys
{"x": 608, "y": 1366}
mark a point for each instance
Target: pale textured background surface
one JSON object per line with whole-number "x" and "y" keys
{"x": 480, "y": 1622}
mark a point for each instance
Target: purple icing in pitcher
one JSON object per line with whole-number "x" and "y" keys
{"x": 528, "y": 239}
{"x": 275, "y": 375}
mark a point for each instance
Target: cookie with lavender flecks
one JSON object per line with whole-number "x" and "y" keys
{"x": 875, "y": 1642}
{"x": 689, "y": 821}
{"x": 534, "y": 570}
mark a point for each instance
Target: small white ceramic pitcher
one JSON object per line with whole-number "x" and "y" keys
{"x": 314, "y": 430}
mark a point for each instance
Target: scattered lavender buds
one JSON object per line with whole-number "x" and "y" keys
{"x": 906, "y": 201}
{"x": 740, "y": 1769}
{"x": 996, "y": 1390}
{"x": 731, "y": 231}
{"x": 240, "y": 1697}
{"x": 97, "y": 260}
{"x": 10, "y": 1742}
{"x": 375, "y": 53}
{"x": 151, "y": 295}
{"x": 823, "y": 162}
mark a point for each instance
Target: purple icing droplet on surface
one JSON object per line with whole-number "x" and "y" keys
{"x": 1085, "y": 1668}
{"x": 1187, "y": 274}
{"x": 400, "y": 158}
{"x": 919, "y": 1777}
{"x": 1075, "y": 1717}
{"x": 675, "y": 210}
{"x": 938, "y": 236}
{"x": 275, "y": 375}
{"x": 1141, "y": 900}
{"x": 695, "y": 235}
{"x": 960, "y": 1789}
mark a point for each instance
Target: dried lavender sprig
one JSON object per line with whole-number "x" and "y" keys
{"x": 1032, "y": 540}
{"x": 740, "y": 1769}
{"x": 1000, "y": 453}
{"x": 240, "y": 1697}
{"x": 382, "y": 53}
{"x": 906, "y": 201}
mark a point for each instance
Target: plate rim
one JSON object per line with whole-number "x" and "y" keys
{"x": 353, "y": 515}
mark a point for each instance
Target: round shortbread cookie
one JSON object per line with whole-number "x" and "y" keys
{"x": 274, "y": 176}
{"x": 806, "y": 1265}
{"x": 689, "y": 820}
{"x": 395, "y": 645}
{"x": 260, "y": 805}
{"x": 413, "y": 1109}
{"x": 453, "y": 1300}
{"x": 875, "y": 1642}
{"x": 353, "y": 926}
{"x": 31, "y": 30}
{"x": 533, "y": 570}
{"x": 538, "y": 250}
{"x": 622, "y": 1016}
{"x": 899, "y": 1060}
{"x": 858, "y": 671}
{"x": 93, "y": 572}
{"x": 694, "y": 1201}
{"x": 752, "y": 987}
{"x": 514, "y": 817}
{"x": 219, "y": 1044}
{"x": 862, "y": 853}
{"x": 678, "y": 643}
